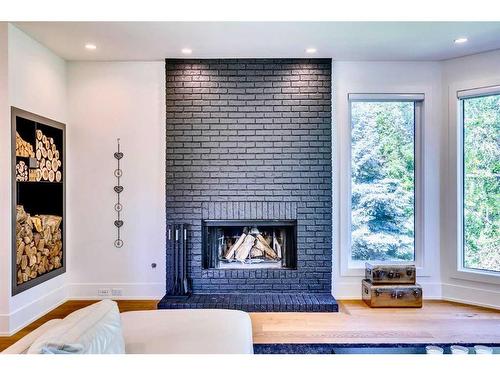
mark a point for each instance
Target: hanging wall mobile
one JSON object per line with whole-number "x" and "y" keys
{"x": 118, "y": 190}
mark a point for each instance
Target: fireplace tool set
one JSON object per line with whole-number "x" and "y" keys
{"x": 177, "y": 247}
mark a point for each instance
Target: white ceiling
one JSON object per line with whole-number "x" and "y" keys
{"x": 338, "y": 40}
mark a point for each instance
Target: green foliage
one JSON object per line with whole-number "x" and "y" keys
{"x": 382, "y": 181}
{"x": 482, "y": 183}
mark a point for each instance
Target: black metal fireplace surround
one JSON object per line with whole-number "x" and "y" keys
{"x": 249, "y": 174}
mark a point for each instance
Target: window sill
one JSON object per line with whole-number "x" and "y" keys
{"x": 488, "y": 277}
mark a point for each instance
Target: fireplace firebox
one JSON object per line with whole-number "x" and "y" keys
{"x": 249, "y": 244}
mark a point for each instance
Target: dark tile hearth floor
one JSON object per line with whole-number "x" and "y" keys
{"x": 310, "y": 302}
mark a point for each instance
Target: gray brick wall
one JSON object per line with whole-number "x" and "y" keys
{"x": 252, "y": 138}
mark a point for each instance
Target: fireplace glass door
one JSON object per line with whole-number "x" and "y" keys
{"x": 249, "y": 244}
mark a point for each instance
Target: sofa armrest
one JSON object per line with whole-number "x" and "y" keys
{"x": 22, "y": 346}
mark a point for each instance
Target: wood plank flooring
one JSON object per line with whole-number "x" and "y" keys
{"x": 437, "y": 321}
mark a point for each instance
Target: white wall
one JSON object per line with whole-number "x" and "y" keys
{"x": 5, "y": 186}
{"x": 107, "y": 101}
{"x": 37, "y": 77}
{"x": 36, "y": 83}
{"x": 104, "y": 101}
{"x": 388, "y": 77}
{"x": 463, "y": 73}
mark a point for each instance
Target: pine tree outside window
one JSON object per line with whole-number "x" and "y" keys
{"x": 479, "y": 201}
{"x": 384, "y": 170}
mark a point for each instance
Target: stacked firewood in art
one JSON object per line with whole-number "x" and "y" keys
{"x": 23, "y": 148}
{"x": 48, "y": 158}
{"x": 38, "y": 244}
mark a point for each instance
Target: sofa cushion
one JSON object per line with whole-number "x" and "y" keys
{"x": 95, "y": 329}
{"x": 204, "y": 331}
{"x": 21, "y": 346}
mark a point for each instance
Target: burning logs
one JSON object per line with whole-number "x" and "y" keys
{"x": 39, "y": 244}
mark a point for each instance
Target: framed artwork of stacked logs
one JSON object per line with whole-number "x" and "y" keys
{"x": 38, "y": 199}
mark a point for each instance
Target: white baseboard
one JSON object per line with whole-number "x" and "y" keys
{"x": 27, "y": 314}
{"x": 352, "y": 289}
{"x": 471, "y": 295}
{"x": 136, "y": 291}
{"x": 130, "y": 291}
{"x": 20, "y": 318}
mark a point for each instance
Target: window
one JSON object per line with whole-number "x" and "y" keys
{"x": 480, "y": 203}
{"x": 383, "y": 192}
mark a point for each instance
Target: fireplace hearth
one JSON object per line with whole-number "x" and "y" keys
{"x": 240, "y": 244}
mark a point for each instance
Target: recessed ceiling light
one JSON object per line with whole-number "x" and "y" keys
{"x": 187, "y": 51}
{"x": 311, "y": 50}
{"x": 460, "y": 40}
{"x": 90, "y": 46}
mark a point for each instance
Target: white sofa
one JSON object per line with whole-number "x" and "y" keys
{"x": 173, "y": 332}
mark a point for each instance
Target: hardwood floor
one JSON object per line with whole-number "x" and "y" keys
{"x": 437, "y": 321}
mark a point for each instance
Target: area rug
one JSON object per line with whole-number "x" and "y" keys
{"x": 358, "y": 348}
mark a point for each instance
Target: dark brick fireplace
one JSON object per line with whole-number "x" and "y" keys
{"x": 250, "y": 140}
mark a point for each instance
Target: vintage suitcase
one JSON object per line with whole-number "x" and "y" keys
{"x": 401, "y": 295}
{"x": 390, "y": 273}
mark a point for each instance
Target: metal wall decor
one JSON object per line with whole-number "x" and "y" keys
{"x": 118, "y": 190}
